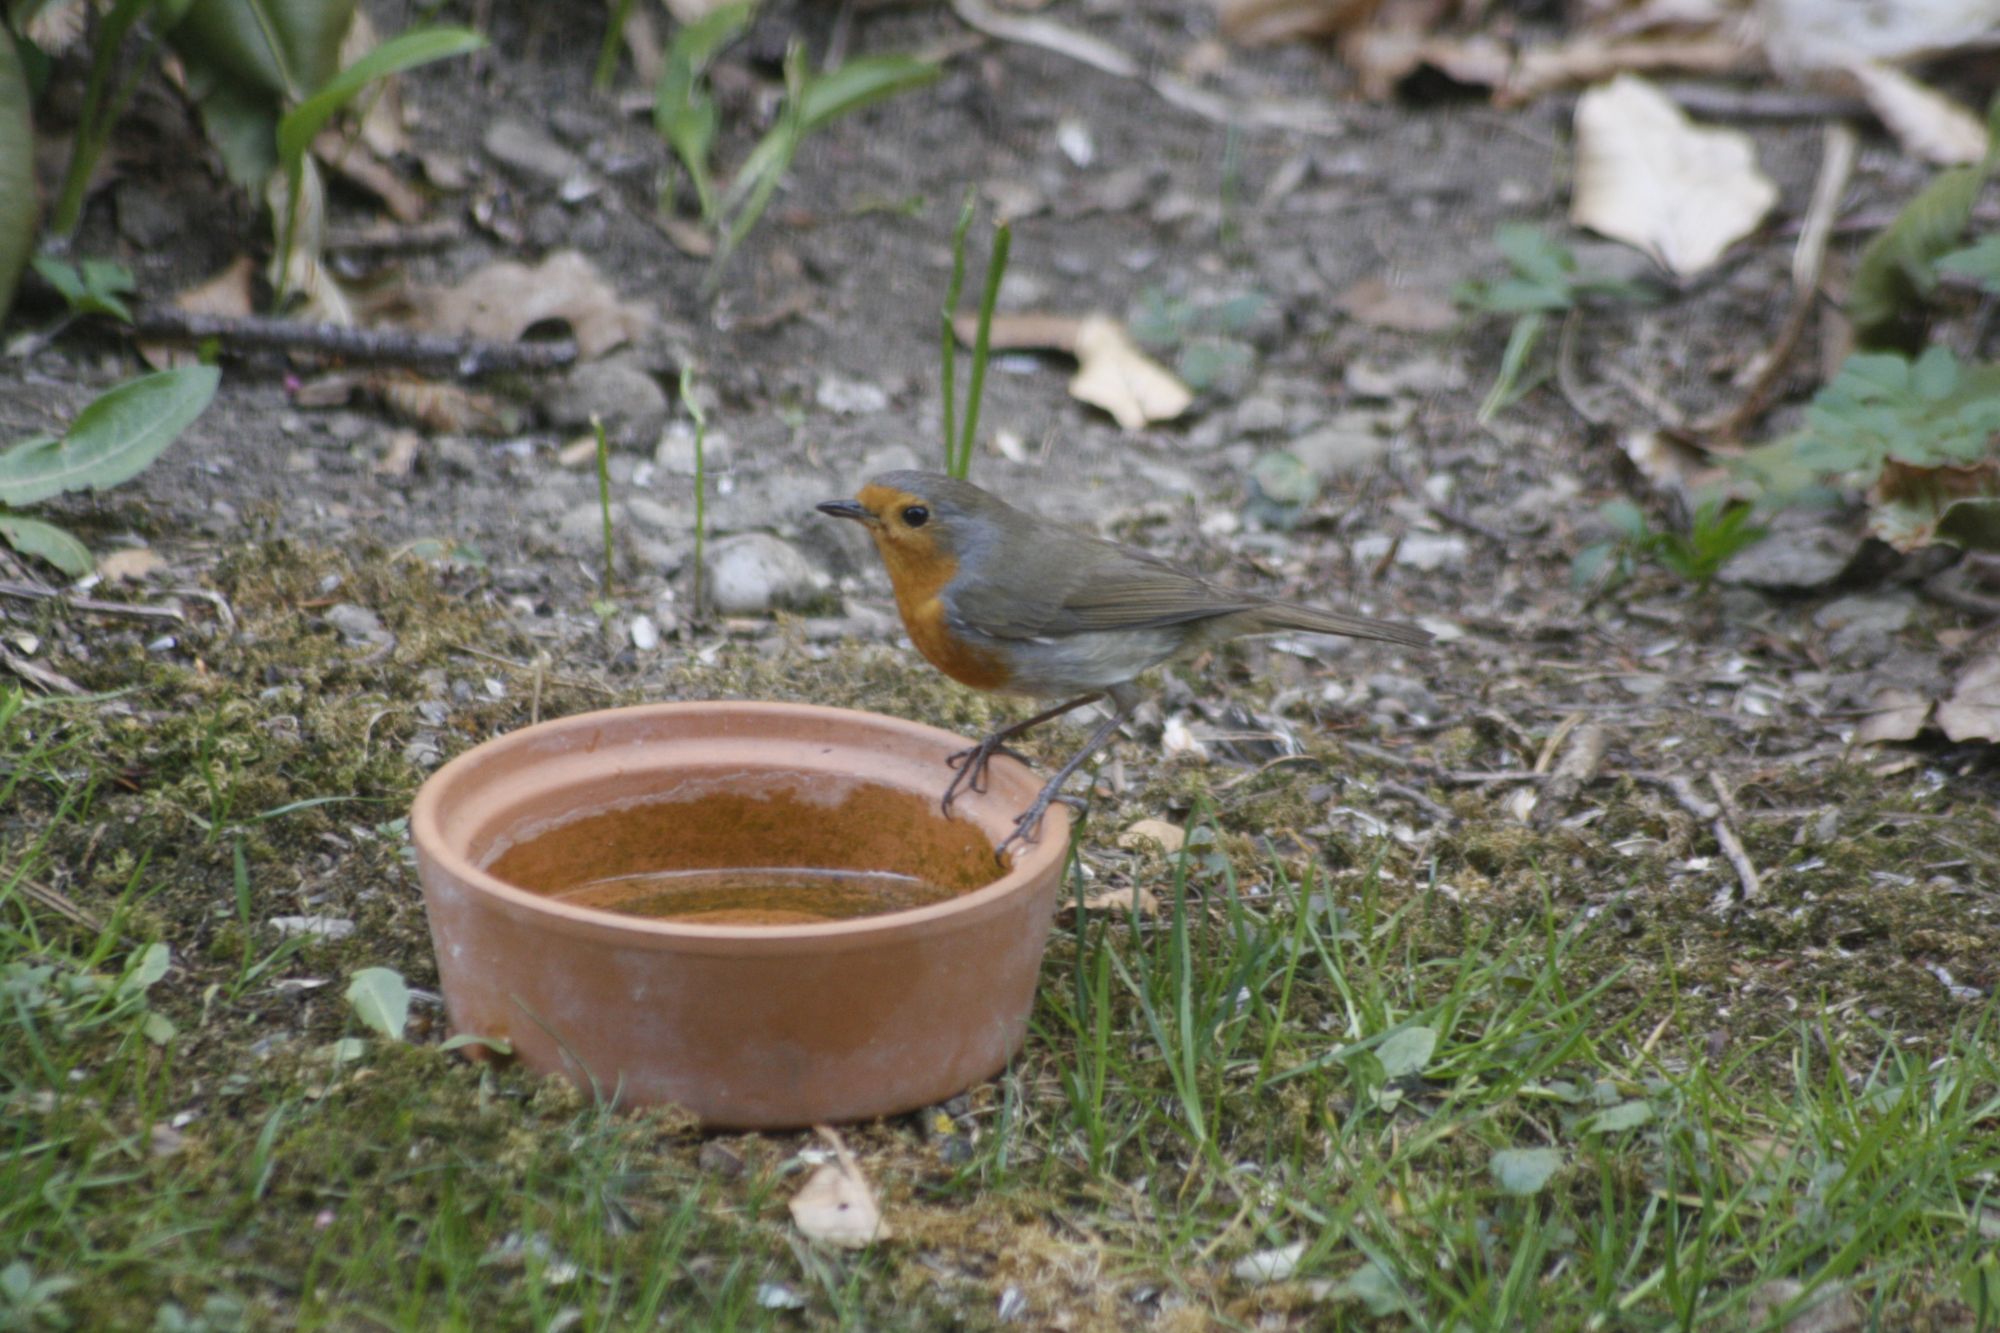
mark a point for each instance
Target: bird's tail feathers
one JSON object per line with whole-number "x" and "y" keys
{"x": 1273, "y": 617}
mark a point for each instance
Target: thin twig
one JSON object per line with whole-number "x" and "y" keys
{"x": 1836, "y": 166}
{"x": 35, "y": 592}
{"x": 52, "y": 681}
{"x": 467, "y": 357}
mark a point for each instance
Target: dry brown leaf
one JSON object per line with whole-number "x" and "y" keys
{"x": 1923, "y": 120}
{"x": 1899, "y": 715}
{"x": 129, "y": 565}
{"x": 1648, "y": 176}
{"x": 1169, "y": 838}
{"x": 358, "y": 164}
{"x": 689, "y": 237}
{"x": 1261, "y": 22}
{"x": 1374, "y": 302}
{"x": 1591, "y": 60}
{"x": 400, "y": 458}
{"x": 1112, "y": 373}
{"x": 835, "y": 1206}
{"x": 505, "y": 299}
{"x": 1973, "y": 711}
{"x": 1021, "y": 333}
{"x": 227, "y": 293}
{"x": 443, "y": 409}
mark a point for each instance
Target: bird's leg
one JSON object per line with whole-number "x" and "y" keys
{"x": 971, "y": 763}
{"x": 1029, "y": 824}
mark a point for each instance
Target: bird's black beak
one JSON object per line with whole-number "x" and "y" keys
{"x": 845, "y": 509}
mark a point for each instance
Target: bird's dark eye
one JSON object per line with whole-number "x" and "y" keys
{"x": 916, "y": 516}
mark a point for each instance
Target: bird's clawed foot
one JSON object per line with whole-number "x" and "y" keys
{"x": 1028, "y": 828}
{"x": 970, "y": 767}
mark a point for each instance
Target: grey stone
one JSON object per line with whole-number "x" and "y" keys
{"x": 850, "y": 398}
{"x": 530, "y": 152}
{"x": 631, "y": 402}
{"x": 1259, "y": 414}
{"x": 1801, "y": 552}
{"x": 1864, "y": 625}
{"x": 892, "y": 458}
{"x": 359, "y": 626}
{"x": 675, "y": 451}
{"x": 755, "y": 573}
{"x": 1413, "y": 695}
{"x": 1337, "y": 451}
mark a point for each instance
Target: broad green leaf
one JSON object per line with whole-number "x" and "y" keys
{"x": 1525, "y": 1170}
{"x": 683, "y": 113}
{"x": 826, "y": 97}
{"x": 1973, "y": 524}
{"x": 862, "y": 82}
{"x": 1534, "y": 254}
{"x": 381, "y": 1000}
{"x": 157, "y": 1028}
{"x": 1894, "y": 272}
{"x": 1980, "y": 262}
{"x": 242, "y": 123}
{"x": 93, "y": 288}
{"x": 46, "y": 541}
{"x": 404, "y": 51}
{"x": 1406, "y": 1051}
{"x": 17, "y": 171}
{"x": 282, "y": 48}
{"x": 145, "y": 971}
{"x": 1513, "y": 380}
{"x": 1625, "y": 1115}
{"x": 112, "y": 440}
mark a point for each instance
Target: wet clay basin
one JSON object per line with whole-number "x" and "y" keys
{"x": 685, "y": 903}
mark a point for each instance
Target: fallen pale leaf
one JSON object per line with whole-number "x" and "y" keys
{"x": 1112, "y": 373}
{"x": 1121, "y": 902}
{"x": 1648, "y": 176}
{"x": 1899, "y": 715}
{"x": 1973, "y": 711}
{"x": 1670, "y": 463}
{"x": 835, "y": 1206}
{"x": 129, "y": 565}
{"x": 506, "y": 299}
{"x": 1270, "y": 1265}
{"x": 1923, "y": 120}
{"x": 1170, "y": 838}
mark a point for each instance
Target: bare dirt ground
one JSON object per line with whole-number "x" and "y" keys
{"x": 1876, "y": 872}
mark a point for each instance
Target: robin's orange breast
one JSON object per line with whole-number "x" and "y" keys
{"x": 919, "y": 581}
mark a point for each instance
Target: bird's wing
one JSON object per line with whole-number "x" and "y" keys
{"x": 1075, "y": 585}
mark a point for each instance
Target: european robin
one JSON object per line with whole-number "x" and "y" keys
{"x": 1001, "y": 600}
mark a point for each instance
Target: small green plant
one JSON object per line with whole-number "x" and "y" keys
{"x": 700, "y": 487}
{"x": 1717, "y": 530}
{"x": 1207, "y": 338}
{"x": 684, "y": 114}
{"x": 112, "y": 440}
{"x": 608, "y": 577}
{"x": 1545, "y": 280}
{"x": 1921, "y": 439}
{"x": 958, "y": 442}
{"x": 93, "y": 287}
{"x": 298, "y": 127}
{"x": 1898, "y": 270}
{"x": 28, "y": 1302}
